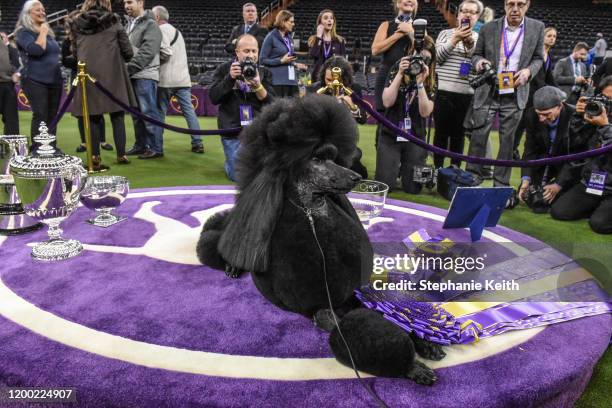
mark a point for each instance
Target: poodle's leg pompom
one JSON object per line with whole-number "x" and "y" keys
{"x": 427, "y": 349}
{"x": 378, "y": 347}
{"x": 206, "y": 249}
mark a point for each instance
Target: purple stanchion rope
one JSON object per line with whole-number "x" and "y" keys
{"x": 479, "y": 160}
{"x": 62, "y": 110}
{"x": 135, "y": 112}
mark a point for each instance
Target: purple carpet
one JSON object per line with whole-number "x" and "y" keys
{"x": 151, "y": 292}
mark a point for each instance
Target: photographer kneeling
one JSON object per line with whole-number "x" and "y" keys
{"x": 553, "y": 129}
{"x": 592, "y": 197}
{"x": 240, "y": 88}
{"x": 407, "y": 99}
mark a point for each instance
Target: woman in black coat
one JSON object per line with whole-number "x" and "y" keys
{"x": 103, "y": 44}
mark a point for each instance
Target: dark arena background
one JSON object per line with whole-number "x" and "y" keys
{"x": 136, "y": 316}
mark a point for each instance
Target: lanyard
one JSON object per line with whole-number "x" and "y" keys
{"x": 409, "y": 99}
{"x": 327, "y": 49}
{"x": 288, "y": 43}
{"x": 507, "y": 50}
{"x": 548, "y": 62}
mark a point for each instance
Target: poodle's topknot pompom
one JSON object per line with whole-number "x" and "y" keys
{"x": 288, "y": 132}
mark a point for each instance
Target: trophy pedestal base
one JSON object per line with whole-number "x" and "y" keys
{"x": 13, "y": 221}
{"x": 106, "y": 221}
{"x": 56, "y": 250}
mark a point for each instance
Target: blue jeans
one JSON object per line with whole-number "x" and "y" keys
{"x": 230, "y": 147}
{"x": 148, "y": 136}
{"x": 183, "y": 95}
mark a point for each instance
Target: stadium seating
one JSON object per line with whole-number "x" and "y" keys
{"x": 206, "y": 24}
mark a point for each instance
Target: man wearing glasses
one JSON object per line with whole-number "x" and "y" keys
{"x": 454, "y": 48}
{"x": 514, "y": 46}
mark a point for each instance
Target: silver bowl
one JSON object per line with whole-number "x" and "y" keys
{"x": 103, "y": 194}
{"x": 49, "y": 185}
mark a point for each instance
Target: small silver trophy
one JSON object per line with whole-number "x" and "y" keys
{"x": 49, "y": 184}
{"x": 103, "y": 194}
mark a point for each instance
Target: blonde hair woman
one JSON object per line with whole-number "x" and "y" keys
{"x": 391, "y": 39}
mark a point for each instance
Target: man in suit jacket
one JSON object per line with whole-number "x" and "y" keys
{"x": 250, "y": 26}
{"x": 514, "y": 46}
{"x": 553, "y": 129}
{"x": 570, "y": 72}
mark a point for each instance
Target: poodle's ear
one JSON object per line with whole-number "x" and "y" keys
{"x": 245, "y": 243}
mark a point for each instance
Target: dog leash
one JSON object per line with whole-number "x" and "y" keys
{"x": 309, "y": 212}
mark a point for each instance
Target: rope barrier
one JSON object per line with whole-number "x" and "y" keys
{"x": 478, "y": 160}
{"x": 135, "y": 112}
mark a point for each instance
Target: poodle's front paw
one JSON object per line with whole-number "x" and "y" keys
{"x": 421, "y": 374}
{"x": 324, "y": 319}
{"x": 428, "y": 350}
{"x": 233, "y": 272}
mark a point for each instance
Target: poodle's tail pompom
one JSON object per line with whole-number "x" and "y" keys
{"x": 378, "y": 347}
{"x": 207, "y": 251}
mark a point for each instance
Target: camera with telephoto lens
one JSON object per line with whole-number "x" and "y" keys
{"x": 485, "y": 75}
{"x": 416, "y": 62}
{"x": 426, "y": 175}
{"x": 249, "y": 68}
{"x": 595, "y": 105}
{"x": 534, "y": 198}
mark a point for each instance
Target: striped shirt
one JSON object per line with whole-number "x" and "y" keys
{"x": 449, "y": 61}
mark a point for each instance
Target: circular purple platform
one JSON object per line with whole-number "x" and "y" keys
{"x": 132, "y": 318}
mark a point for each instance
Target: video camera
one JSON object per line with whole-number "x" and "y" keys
{"x": 249, "y": 68}
{"x": 426, "y": 175}
{"x": 416, "y": 61}
{"x": 485, "y": 75}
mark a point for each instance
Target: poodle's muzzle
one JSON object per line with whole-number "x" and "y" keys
{"x": 325, "y": 176}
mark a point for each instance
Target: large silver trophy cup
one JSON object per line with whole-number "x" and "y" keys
{"x": 13, "y": 220}
{"x": 49, "y": 185}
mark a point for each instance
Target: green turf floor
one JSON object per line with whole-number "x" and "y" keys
{"x": 180, "y": 167}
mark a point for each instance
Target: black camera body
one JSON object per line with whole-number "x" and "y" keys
{"x": 416, "y": 61}
{"x": 487, "y": 74}
{"x": 426, "y": 175}
{"x": 249, "y": 68}
{"x": 534, "y": 197}
{"x": 595, "y": 105}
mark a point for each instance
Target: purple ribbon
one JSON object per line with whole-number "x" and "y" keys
{"x": 63, "y": 109}
{"x": 478, "y": 160}
{"x": 127, "y": 108}
{"x": 288, "y": 43}
{"x": 327, "y": 50}
{"x": 508, "y": 53}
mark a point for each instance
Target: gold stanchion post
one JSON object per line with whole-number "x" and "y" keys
{"x": 82, "y": 78}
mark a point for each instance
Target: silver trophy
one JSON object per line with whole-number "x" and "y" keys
{"x": 13, "y": 220}
{"x": 49, "y": 184}
{"x": 103, "y": 194}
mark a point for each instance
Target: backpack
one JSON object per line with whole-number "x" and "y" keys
{"x": 450, "y": 178}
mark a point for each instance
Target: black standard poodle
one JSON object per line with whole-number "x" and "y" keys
{"x": 295, "y": 230}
